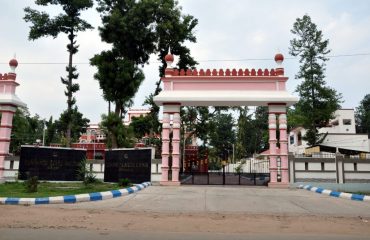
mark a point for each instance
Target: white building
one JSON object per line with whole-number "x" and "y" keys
{"x": 341, "y": 134}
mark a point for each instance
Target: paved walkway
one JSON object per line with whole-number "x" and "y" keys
{"x": 219, "y": 199}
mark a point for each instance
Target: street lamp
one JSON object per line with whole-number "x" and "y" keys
{"x": 43, "y": 133}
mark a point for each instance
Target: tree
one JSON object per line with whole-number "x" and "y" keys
{"x": 141, "y": 126}
{"x": 317, "y": 101}
{"x": 52, "y": 135}
{"x": 68, "y": 23}
{"x": 252, "y": 131}
{"x": 136, "y": 29}
{"x": 118, "y": 77}
{"x": 75, "y": 121}
{"x": 222, "y": 135}
{"x": 117, "y": 134}
{"x": 362, "y": 115}
{"x": 26, "y": 130}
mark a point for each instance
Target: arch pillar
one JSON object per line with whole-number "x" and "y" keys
{"x": 278, "y": 110}
{"x": 171, "y": 147}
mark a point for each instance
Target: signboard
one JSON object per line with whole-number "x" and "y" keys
{"x": 48, "y": 163}
{"x": 133, "y": 164}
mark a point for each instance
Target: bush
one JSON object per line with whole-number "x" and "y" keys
{"x": 124, "y": 182}
{"x": 86, "y": 175}
{"x": 31, "y": 184}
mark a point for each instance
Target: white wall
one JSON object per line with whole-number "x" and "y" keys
{"x": 340, "y": 115}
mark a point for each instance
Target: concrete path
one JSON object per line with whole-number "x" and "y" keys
{"x": 236, "y": 200}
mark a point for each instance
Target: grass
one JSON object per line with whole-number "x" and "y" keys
{"x": 47, "y": 189}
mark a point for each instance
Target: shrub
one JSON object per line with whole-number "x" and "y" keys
{"x": 86, "y": 175}
{"x": 124, "y": 182}
{"x": 31, "y": 184}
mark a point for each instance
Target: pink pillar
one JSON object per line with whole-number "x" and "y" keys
{"x": 272, "y": 142}
{"x": 5, "y": 131}
{"x": 8, "y": 106}
{"x": 165, "y": 146}
{"x": 176, "y": 147}
{"x": 283, "y": 148}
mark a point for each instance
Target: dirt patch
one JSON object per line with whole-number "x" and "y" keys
{"x": 113, "y": 220}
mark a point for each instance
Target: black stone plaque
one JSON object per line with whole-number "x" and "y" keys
{"x": 47, "y": 163}
{"x": 133, "y": 164}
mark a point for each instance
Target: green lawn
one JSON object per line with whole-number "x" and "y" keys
{"x": 47, "y": 189}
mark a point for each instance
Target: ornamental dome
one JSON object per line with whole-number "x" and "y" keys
{"x": 279, "y": 58}
{"x": 13, "y": 63}
{"x": 169, "y": 57}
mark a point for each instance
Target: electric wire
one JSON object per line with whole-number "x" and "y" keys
{"x": 204, "y": 60}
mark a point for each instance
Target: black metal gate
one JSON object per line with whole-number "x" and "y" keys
{"x": 256, "y": 172}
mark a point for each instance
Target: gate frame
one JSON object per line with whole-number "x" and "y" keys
{"x": 225, "y": 88}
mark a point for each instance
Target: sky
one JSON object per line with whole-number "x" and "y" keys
{"x": 233, "y": 32}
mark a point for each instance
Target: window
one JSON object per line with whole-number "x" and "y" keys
{"x": 306, "y": 166}
{"x": 335, "y": 123}
{"x": 347, "y": 122}
{"x": 354, "y": 166}
{"x": 322, "y": 166}
{"x": 291, "y": 139}
{"x": 299, "y": 139}
{"x": 91, "y": 167}
{"x": 11, "y": 164}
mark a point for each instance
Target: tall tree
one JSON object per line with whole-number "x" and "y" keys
{"x": 174, "y": 29}
{"x": 136, "y": 29}
{"x": 363, "y": 115}
{"x": 118, "y": 77}
{"x": 70, "y": 23}
{"x": 317, "y": 101}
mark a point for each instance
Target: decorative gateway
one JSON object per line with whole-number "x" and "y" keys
{"x": 243, "y": 87}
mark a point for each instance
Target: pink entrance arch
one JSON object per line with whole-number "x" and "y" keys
{"x": 243, "y": 87}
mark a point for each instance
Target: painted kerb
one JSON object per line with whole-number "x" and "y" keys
{"x": 97, "y": 196}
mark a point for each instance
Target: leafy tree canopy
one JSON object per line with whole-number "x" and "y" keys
{"x": 77, "y": 121}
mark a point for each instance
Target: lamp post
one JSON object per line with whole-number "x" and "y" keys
{"x": 43, "y": 133}
{"x": 93, "y": 141}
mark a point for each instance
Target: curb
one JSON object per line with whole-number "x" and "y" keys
{"x": 350, "y": 196}
{"x": 86, "y": 197}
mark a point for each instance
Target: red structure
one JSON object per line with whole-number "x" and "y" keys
{"x": 93, "y": 150}
{"x": 193, "y": 162}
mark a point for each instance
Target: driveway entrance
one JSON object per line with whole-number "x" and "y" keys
{"x": 255, "y": 172}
